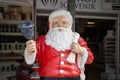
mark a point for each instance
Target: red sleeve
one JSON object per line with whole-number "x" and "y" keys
{"x": 39, "y": 46}
{"x": 82, "y": 43}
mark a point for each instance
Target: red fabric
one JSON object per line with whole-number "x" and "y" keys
{"x": 49, "y": 60}
{"x": 90, "y": 54}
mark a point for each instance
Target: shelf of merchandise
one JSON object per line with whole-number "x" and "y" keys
{"x": 12, "y": 42}
{"x": 109, "y": 54}
{"x": 17, "y": 2}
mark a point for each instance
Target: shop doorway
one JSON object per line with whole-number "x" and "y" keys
{"x": 94, "y": 31}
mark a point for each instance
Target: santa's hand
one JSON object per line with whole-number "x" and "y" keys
{"x": 30, "y": 46}
{"x": 76, "y": 48}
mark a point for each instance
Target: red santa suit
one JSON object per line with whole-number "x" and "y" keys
{"x": 55, "y": 63}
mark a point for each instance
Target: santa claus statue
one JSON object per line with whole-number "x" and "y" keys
{"x": 61, "y": 53}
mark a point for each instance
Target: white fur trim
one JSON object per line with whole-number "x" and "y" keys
{"x": 81, "y": 63}
{"x": 81, "y": 59}
{"x": 82, "y": 75}
{"x": 29, "y": 59}
{"x": 71, "y": 56}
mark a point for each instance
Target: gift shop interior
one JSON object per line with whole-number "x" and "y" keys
{"x": 100, "y": 29}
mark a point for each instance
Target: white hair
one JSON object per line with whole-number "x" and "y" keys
{"x": 60, "y": 12}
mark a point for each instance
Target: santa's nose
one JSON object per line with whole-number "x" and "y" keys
{"x": 60, "y": 24}
{"x": 59, "y": 29}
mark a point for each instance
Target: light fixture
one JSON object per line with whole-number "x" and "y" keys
{"x": 90, "y": 23}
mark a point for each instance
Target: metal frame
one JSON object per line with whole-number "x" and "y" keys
{"x": 17, "y": 2}
{"x": 117, "y": 47}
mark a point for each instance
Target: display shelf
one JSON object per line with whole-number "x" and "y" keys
{"x": 4, "y": 58}
{"x": 28, "y": 72}
{"x": 10, "y": 51}
{"x": 12, "y": 42}
{"x": 109, "y": 54}
{"x": 17, "y": 2}
{"x": 16, "y": 47}
{"x": 13, "y": 21}
{"x": 10, "y": 34}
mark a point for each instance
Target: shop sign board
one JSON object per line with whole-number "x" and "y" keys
{"x": 80, "y": 5}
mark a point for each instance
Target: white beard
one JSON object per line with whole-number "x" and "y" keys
{"x": 60, "y": 40}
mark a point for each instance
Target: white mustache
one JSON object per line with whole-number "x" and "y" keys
{"x": 60, "y": 28}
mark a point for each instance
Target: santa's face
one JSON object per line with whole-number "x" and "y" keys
{"x": 60, "y": 34}
{"x": 60, "y": 21}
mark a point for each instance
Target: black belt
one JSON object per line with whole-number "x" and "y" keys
{"x": 60, "y": 78}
